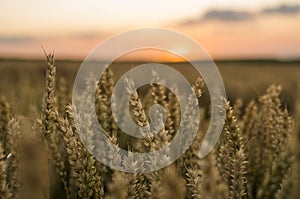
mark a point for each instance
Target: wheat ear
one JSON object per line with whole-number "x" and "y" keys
{"x": 5, "y": 191}
{"x": 232, "y": 160}
{"x": 49, "y": 117}
{"x": 5, "y": 115}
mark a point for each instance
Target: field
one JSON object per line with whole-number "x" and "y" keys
{"x": 243, "y": 79}
{"x": 42, "y": 155}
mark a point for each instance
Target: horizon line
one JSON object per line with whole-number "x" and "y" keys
{"x": 59, "y": 59}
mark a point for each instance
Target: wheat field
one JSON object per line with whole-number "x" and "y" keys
{"x": 43, "y": 157}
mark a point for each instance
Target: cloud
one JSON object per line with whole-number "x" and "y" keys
{"x": 237, "y": 16}
{"x": 15, "y": 40}
{"x": 282, "y": 9}
{"x": 189, "y": 22}
{"x": 86, "y": 35}
{"x": 220, "y": 15}
{"x": 12, "y": 40}
{"x": 226, "y": 15}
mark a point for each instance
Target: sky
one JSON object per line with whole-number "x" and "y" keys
{"x": 231, "y": 29}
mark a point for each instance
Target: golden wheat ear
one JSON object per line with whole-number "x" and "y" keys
{"x": 5, "y": 191}
{"x": 232, "y": 161}
{"x": 83, "y": 171}
{"x": 49, "y": 118}
{"x": 5, "y": 116}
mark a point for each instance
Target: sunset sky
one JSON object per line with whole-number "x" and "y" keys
{"x": 230, "y": 29}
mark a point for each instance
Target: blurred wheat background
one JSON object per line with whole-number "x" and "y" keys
{"x": 42, "y": 155}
